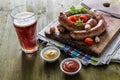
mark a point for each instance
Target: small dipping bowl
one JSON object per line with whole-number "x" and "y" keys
{"x": 50, "y": 53}
{"x": 70, "y": 66}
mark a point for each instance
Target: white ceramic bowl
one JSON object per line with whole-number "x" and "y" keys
{"x": 70, "y": 73}
{"x": 46, "y": 48}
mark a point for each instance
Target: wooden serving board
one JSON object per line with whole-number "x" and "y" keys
{"x": 112, "y": 29}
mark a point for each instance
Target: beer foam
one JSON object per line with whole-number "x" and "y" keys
{"x": 24, "y": 19}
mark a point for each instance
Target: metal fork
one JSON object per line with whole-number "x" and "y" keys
{"x": 111, "y": 14}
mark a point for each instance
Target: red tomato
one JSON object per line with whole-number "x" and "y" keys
{"x": 88, "y": 41}
{"x": 72, "y": 18}
{"x": 84, "y": 18}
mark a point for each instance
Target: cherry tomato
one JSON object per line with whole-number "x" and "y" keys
{"x": 72, "y": 18}
{"x": 84, "y": 18}
{"x": 88, "y": 41}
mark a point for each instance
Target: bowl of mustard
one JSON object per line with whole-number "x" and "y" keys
{"x": 50, "y": 53}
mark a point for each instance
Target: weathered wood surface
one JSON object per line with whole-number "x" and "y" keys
{"x": 15, "y": 65}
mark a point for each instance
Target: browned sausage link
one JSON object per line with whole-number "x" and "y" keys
{"x": 105, "y": 23}
{"x": 67, "y": 13}
{"x": 60, "y": 28}
{"x": 95, "y": 15}
{"x": 91, "y": 13}
{"x": 52, "y": 30}
{"x": 69, "y": 25}
{"x": 95, "y": 31}
{"x": 92, "y": 22}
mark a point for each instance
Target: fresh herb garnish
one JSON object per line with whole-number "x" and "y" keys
{"x": 83, "y": 10}
{"x": 79, "y": 22}
{"x": 73, "y": 10}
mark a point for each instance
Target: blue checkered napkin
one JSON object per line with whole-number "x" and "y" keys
{"x": 84, "y": 58}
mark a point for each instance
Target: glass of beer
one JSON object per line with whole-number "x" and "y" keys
{"x": 24, "y": 19}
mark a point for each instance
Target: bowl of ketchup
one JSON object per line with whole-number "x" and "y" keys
{"x": 70, "y": 66}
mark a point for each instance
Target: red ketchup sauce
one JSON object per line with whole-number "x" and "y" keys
{"x": 70, "y": 66}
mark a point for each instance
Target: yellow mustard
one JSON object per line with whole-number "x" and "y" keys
{"x": 50, "y": 54}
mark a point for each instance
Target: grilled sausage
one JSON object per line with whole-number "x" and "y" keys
{"x": 60, "y": 28}
{"x": 95, "y": 31}
{"x": 69, "y": 25}
{"x": 95, "y": 15}
{"x": 90, "y": 23}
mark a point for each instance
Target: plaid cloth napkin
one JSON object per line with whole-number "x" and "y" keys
{"x": 84, "y": 58}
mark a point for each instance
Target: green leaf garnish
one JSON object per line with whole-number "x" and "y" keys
{"x": 73, "y": 10}
{"x": 83, "y": 10}
{"x": 79, "y": 22}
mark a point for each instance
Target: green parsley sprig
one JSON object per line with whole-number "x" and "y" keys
{"x": 79, "y": 22}
{"x": 73, "y": 10}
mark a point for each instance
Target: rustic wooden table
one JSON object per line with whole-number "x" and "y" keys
{"x": 15, "y": 65}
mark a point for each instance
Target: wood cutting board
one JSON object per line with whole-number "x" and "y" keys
{"x": 112, "y": 29}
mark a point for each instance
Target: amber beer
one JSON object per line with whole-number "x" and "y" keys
{"x": 25, "y": 26}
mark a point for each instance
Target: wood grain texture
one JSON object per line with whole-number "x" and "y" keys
{"x": 15, "y": 65}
